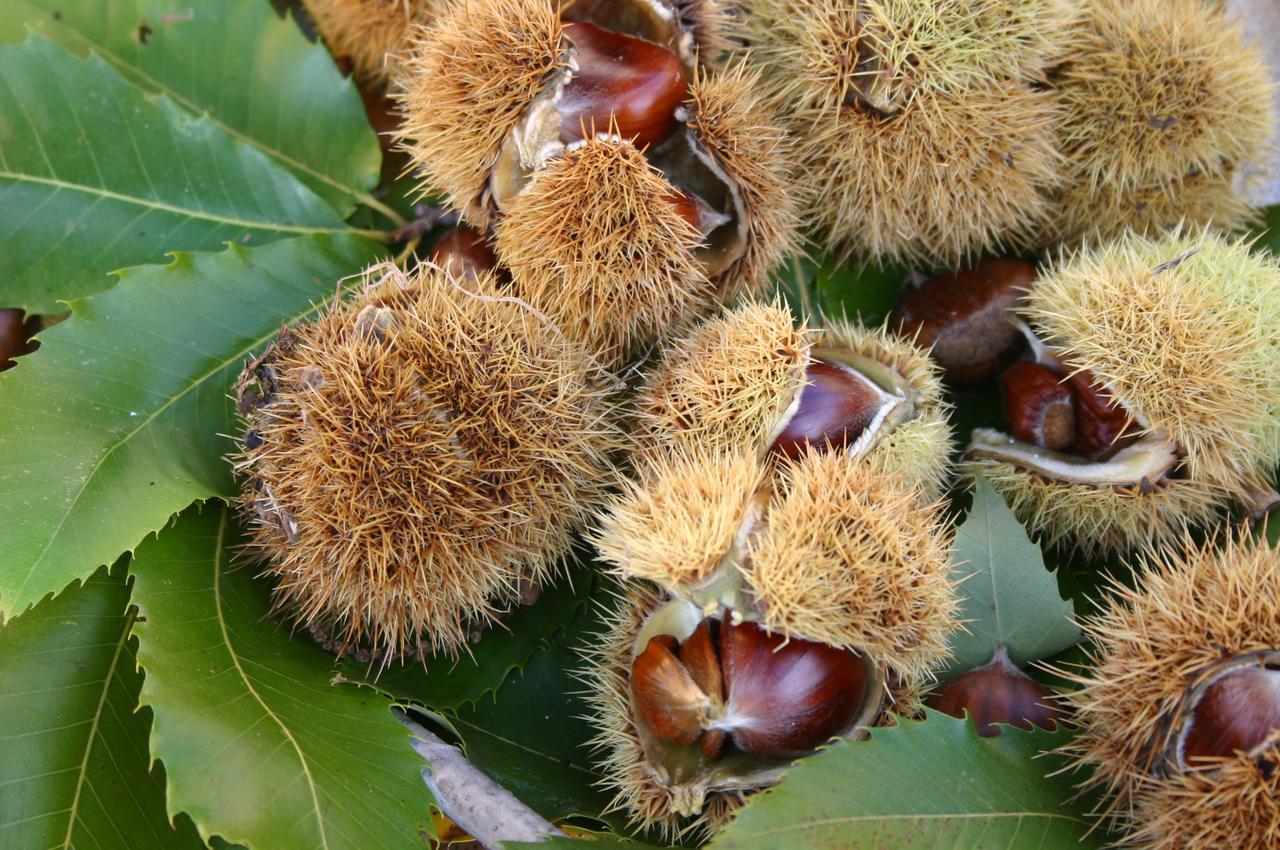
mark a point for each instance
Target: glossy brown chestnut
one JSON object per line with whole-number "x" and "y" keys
{"x": 739, "y": 685}
{"x": 1038, "y": 405}
{"x": 463, "y": 253}
{"x": 836, "y": 405}
{"x": 623, "y": 79}
{"x": 1237, "y": 713}
{"x": 997, "y": 692}
{"x": 786, "y": 698}
{"x": 965, "y": 317}
{"x": 1101, "y": 424}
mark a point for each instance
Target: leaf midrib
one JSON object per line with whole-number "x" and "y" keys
{"x": 800, "y": 827}
{"x": 168, "y": 208}
{"x": 194, "y": 107}
{"x": 74, "y": 810}
{"x": 53, "y": 535}
{"x": 235, "y": 660}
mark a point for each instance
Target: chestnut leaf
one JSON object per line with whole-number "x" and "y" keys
{"x": 260, "y": 743}
{"x": 932, "y": 784}
{"x": 1007, "y": 596}
{"x": 443, "y": 683}
{"x": 103, "y": 175}
{"x": 121, "y": 418}
{"x": 252, "y": 72}
{"x": 72, "y": 737}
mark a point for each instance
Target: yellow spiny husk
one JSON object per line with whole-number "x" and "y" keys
{"x": 1182, "y": 328}
{"x": 370, "y": 33}
{"x": 740, "y": 134}
{"x": 725, "y": 384}
{"x": 853, "y": 557}
{"x": 1099, "y": 522}
{"x": 606, "y": 675}
{"x": 1164, "y": 102}
{"x": 595, "y": 242}
{"x": 1190, "y": 613}
{"x": 919, "y": 131}
{"x": 730, "y": 381}
{"x": 465, "y": 83}
{"x": 827, "y": 549}
{"x": 675, "y": 522}
{"x": 416, "y": 454}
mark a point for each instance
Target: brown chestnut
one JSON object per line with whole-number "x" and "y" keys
{"x": 1038, "y": 406}
{"x": 1237, "y": 713}
{"x": 1101, "y": 424}
{"x": 463, "y": 253}
{"x": 623, "y": 80}
{"x": 1047, "y": 406}
{"x": 997, "y": 692}
{"x": 741, "y": 686}
{"x": 965, "y": 316}
{"x": 835, "y": 406}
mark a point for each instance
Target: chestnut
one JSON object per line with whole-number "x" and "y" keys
{"x": 1046, "y": 406}
{"x": 1101, "y": 424}
{"x": 997, "y": 692}
{"x": 1239, "y": 712}
{"x": 835, "y": 406}
{"x": 1038, "y": 406}
{"x": 965, "y": 317}
{"x": 739, "y": 686}
{"x": 463, "y": 253}
{"x": 622, "y": 84}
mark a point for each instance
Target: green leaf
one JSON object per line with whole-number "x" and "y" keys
{"x": 96, "y": 175}
{"x": 850, "y": 290}
{"x": 444, "y": 683}
{"x": 1008, "y": 597}
{"x": 531, "y": 738}
{"x": 116, "y": 423}
{"x": 931, "y": 785}
{"x": 260, "y": 747}
{"x": 74, "y": 768}
{"x": 256, "y": 75}
{"x": 1270, "y": 230}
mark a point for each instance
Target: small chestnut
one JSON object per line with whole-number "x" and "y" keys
{"x": 740, "y": 686}
{"x": 997, "y": 692}
{"x": 1047, "y": 406}
{"x": 965, "y": 317}
{"x": 620, "y": 79}
{"x": 1101, "y": 424}
{"x": 463, "y": 253}
{"x": 835, "y": 406}
{"x": 1237, "y": 713}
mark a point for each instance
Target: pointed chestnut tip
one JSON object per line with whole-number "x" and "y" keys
{"x": 1239, "y": 713}
{"x": 835, "y": 406}
{"x": 622, "y": 81}
{"x": 998, "y": 693}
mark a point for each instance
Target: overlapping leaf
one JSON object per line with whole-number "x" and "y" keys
{"x": 96, "y": 175}
{"x": 531, "y": 737}
{"x": 252, "y": 72}
{"x": 74, "y": 769}
{"x": 116, "y": 423}
{"x": 260, "y": 746}
{"x": 443, "y": 683}
{"x": 1008, "y": 597}
{"x": 931, "y": 785}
